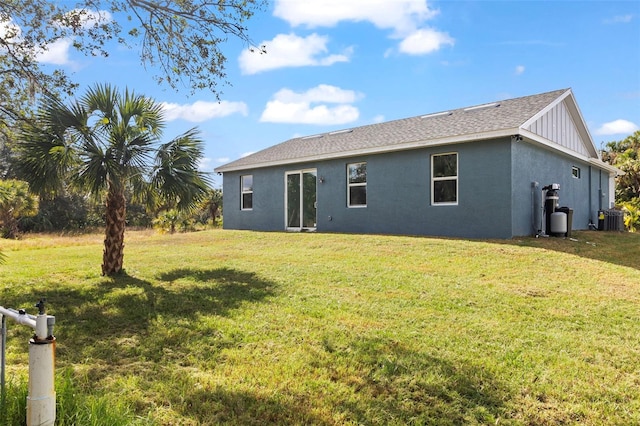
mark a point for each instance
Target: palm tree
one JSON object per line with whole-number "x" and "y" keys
{"x": 212, "y": 203}
{"x": 105, "y": 143}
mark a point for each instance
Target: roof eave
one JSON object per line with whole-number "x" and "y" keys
{"x": 377, "y": 150}
{"x": 613, "y": 171}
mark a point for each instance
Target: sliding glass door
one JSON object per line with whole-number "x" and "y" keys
{"x": 301, "y": 200}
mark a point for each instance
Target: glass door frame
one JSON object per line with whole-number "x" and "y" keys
{"x": 301, "y": 210}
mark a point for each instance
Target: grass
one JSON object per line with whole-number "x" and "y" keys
{"x": 232, "y": 327}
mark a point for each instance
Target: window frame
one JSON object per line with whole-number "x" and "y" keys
{"x": 244, "y": 192}
{"x": 575, "y": 172}
{"x": 357, "y": 184}
{"x": 435, "y": 179}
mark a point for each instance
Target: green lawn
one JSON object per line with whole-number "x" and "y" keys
{"x": 230, "y": 327}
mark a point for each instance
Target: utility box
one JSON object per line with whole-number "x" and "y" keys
{"x": 614, "y": 220}
{"x": 611, "y": 220}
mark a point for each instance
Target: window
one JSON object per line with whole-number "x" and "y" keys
{"x": 575, "y": 172}
{"x": 246, "y": 192}
{"x": 357, "y": 185}
{"x": 444, "y": 178}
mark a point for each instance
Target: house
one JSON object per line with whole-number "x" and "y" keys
{"x": 475, "y": 172}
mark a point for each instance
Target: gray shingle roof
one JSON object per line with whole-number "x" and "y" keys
{"x": 473, "y": 122}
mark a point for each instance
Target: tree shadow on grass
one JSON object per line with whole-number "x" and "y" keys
{"x": 125, "y": 326}
{"x": 215, "y": 405}
{"x": 398, "y": 385}
{"x": 232, "y": 287}
{"x": 618, "y": 248}
{"x": 125, "y": 312}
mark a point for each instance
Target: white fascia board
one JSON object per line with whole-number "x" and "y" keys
{"x": 583, "y": 129}
{"x": 613, "y": 171}
{"x": 539, "y": 140}
{"x": 377, "y": 150}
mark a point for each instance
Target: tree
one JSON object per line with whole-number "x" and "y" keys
{"x": 15, "y": 202}
{"x": 172, "y": 220}
{"x": 212, "y": 204}
{"x": 181, "y": 39}
{"x": 105, "y": 143}
{"x": 625, "y": 155}
{"x": 66, "y": 211}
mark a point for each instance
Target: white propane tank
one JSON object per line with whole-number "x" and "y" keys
{"x": 558, "y": 223}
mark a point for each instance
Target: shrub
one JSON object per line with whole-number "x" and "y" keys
{"x": 632, "y": 214}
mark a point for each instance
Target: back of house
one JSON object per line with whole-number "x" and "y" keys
{"x": 477, "y": 172}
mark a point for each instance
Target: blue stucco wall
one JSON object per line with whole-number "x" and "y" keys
{"x": 533, "y": 163}
{"x": 398, "y": 195}
{"x": 496, "y": 198}
{"x": 268, "y": 201}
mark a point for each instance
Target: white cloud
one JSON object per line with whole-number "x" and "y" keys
{"x": 87, "y": 19}
{"x": 320, "y": 93}
{"x": 620, "y": 19}
{"x": 9, "y": 31}
{"x": 520, "y": 69}
{"x": 402, "y": 16}
{"x": 425, "y": 41}
{"x": 200, "y": 111}
{"x": 204, "y": 164}
{"x": 223, "y": 160}
{"x": 378, "y": 118}
{"x": 289, "y": 50}
{"x": 617, "y": 127}
{"x": 288, "y": 106}
{"x": 56, "y": 53}
{"x": 246, "y": 154}
{"x": 280, "y": 112}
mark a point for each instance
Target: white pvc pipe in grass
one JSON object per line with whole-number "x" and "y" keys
{"x": 41, "y": 402}
{"x": 20, "y": 318}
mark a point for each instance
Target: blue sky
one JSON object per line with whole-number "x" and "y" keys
{"x": 335, "y": 64}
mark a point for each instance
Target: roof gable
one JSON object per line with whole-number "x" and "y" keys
{"x": 561, "y": 122}
{"x": 535, "y": 116}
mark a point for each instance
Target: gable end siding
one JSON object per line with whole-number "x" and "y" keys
{"x": 558, "y": 126}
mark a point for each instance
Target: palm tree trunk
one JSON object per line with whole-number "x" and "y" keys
{"x": 113, "y": 256}
{"x": 9, "y": 225}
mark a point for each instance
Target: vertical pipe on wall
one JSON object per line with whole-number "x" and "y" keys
{"x": 590, "y": 198}
{"x": 600, "y": 194}
{"x": 533, "y": 211}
